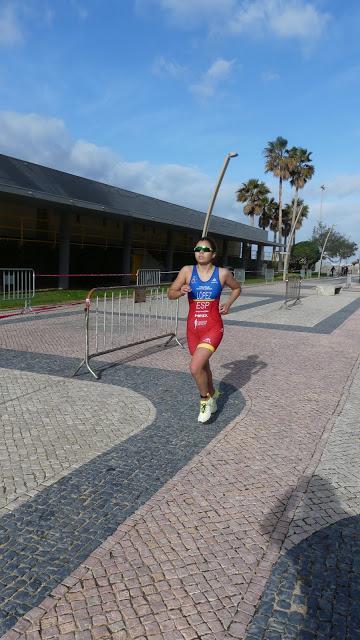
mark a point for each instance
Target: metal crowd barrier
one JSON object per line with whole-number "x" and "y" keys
{"x": 347, "y": 284}
{"x": 305, "y": 274}
{"x": 352, "y": 279}
{"x": 269, "y": 276}
{"x": 148, "y": 277}
{"x": 18, "y": 284}
{"x": 121, "y": 317}
{"x": 292, "y": 291}
{"x": 239, "y": 275}
{"x": 166, "y": 277}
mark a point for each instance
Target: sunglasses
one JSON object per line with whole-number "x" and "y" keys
{"x": 204, "y": 249}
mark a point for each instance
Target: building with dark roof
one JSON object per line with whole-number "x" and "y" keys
{"x": 57, "y": 222}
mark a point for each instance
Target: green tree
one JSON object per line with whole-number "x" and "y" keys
{"x": 271, "y": 209}
{"x": 277, "y": 162}
{"x": 288, "y": 215}
{"x": 320, "y": 233}
{"x": 286, "y": 222}
{"x": 254, "y": 194}
{"x": 303, "y": 215}
{"x": 338, "y": 247}
{"x": 304, "y": 254}
{"x": 300, "y": 172}
{"x": 300, "y": 168}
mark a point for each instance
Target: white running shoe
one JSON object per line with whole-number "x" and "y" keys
{"x": 213, "y": 402}
{"x": 205, "y": 410}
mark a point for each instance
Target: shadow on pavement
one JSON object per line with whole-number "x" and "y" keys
{"x": 241, "y": 371}
{"x": 43, "y": 540}
{"x": 313, "y": 592}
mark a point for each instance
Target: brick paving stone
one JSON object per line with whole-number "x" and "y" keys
{"x": 67, "y": 431}
{"x": 317, "y": 556}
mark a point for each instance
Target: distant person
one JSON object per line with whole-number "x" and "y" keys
{"x": 346, "y": 270}
{"x": 332, "y": 271}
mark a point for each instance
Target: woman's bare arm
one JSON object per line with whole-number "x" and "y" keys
{"x": 179, "y": 287}
{"x": 235, "y": 287}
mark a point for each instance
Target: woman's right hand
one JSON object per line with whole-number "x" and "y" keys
{"x": 185, "y": 289}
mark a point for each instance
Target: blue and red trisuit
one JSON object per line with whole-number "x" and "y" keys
{"x": 204, "y": 324}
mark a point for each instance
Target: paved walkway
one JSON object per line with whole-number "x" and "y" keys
{"x": 122, "y": 517}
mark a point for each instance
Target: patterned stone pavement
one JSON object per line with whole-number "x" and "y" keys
{"x": 123, "y": 518}
{"x": 314, "y": 589}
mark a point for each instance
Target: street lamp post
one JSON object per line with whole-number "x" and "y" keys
{"x": 321, "y": 202}
{"x": 230, "y": 155}
{"x": 323, "y": 249}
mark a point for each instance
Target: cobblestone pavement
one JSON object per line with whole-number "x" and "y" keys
{"x": 314, "y": 589}
{"x": 51, "y": 426}
{"x": 123, "y": 518}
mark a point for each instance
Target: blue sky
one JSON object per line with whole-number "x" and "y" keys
{"x": 151, "y": 95}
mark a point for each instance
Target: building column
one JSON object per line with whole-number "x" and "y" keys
{"x": 260, "y": 258}
{"x": 126, "y": 251}
{"x": 225, "y": 251}
{"x": 246, "y": 254}
{"x": 64, "y": 249}
{"x": 170, "y": 248}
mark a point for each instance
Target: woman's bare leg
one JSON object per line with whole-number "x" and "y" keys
{"x": 201, "y": 372}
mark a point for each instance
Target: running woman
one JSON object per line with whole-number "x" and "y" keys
{"x": 203, "y": 283}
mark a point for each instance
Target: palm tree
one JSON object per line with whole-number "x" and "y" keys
{"x": 254, "y": 193}
{"x": 277, "y": 162}
{"x": 286, "y": 222}
{"x": 303, "y": 215}
{"x": 271, "y": 208}
{"x": 269, "y": 217}
{"x": 301, "y": 171}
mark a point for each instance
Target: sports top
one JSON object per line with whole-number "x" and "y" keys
{"x": 204, "y": 324}
{"x": 205, "y": 290}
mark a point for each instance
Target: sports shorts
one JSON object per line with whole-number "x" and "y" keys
{"x": 207, "y": 337}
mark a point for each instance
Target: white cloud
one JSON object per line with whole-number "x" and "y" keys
{"x": 47, "y": 141}
{"x": 340, "y": 207}
{"x": 220, "y": 70}
{"x": 343, "y": 214}
{"x": 161, "y": 67}
{"x": 344, "y": 186}
{"x": 296, "y": 20}
{"x": 189, "y": 13}
{"x": 282, "y": 18}
{"x": 270, "y": 76}
{"x": 10, "y": 30}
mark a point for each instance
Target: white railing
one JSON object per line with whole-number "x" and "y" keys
{"x": 292, "y": 291}
{"x": 17, "y": 284}
{"x": 239, "y": 275}
{"x": 148, "y": 277}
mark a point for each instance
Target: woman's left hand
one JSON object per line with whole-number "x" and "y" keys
{"x": 224, "y": 308}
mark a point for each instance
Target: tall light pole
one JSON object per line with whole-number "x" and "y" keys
{"x": 230, "y": 155}
{"x": 321, "y": 202}
{"x": 323, "y": 249}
